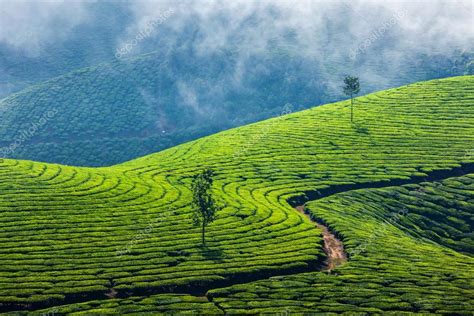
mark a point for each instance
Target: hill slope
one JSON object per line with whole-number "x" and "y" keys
{"x": 394, "y": 264}
{"x": 389, "y": 270}
{"x": 76, "y": 234}
{"x": 124, "y": 109}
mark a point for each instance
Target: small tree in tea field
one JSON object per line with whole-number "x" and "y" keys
{"x": 204, "y": 206}
{"x": 351, "y": 88}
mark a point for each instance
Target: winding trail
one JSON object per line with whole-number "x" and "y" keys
{"x": 333, "y": 247}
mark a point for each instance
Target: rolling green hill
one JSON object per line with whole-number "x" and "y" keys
{"x": 123, "y": 109}
{"x": 80, "y": 235}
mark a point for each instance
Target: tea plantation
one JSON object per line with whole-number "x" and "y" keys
{"x": 406, "y": 274}
{"x": 113, "y": 112}
{"x": 120, "y": 239}
{"x": 394, "y": 264}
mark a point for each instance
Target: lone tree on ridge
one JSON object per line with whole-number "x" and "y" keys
{"x": 204, "y": 206}
{"x": 351, "y": 87}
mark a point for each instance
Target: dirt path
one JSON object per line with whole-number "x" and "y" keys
{"x": 333, "y": 247}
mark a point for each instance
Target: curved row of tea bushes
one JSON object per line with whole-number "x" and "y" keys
{"x": 74, "y": 234}
{"x": 397, "y": 239}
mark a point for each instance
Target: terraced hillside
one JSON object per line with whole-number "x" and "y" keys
{"x": 397, "y": 262}
{"x": 123, "y": 109}
{"x": 83, "y": 235}
{"x": 406, "y": 273}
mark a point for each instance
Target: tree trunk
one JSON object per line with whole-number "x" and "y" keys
{"x": 352, "y": 109}
{"x": 203, "y": 228}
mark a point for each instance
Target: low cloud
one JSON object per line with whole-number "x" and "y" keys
{"x": 360, "y": 37}
{"x": 315, "y": 28}
{"x": 29, "y": 26}
{"x": 315, "y": 25}
{"x": 364, "y": 36}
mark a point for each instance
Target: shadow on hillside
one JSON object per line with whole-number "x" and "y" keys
{"x": 361, "y": 129}
{"x": 214, "y": 253}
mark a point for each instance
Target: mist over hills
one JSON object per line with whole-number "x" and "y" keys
{"x": 131, "y": 78}
{"x": 264, "y": 157}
